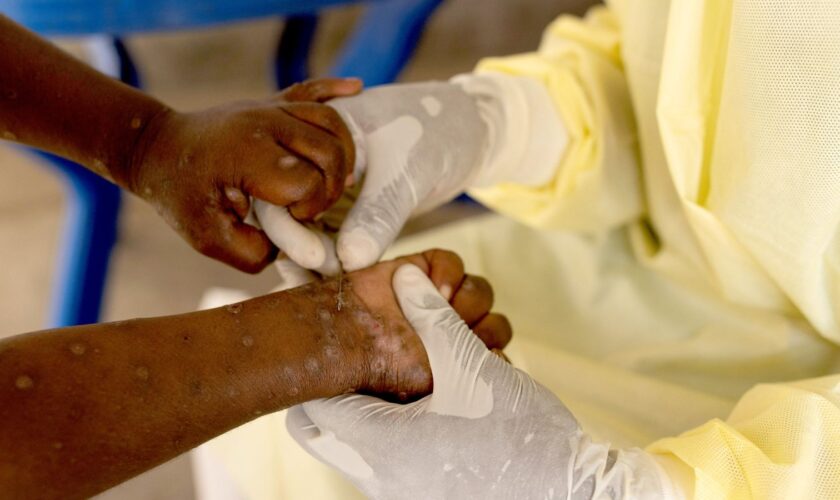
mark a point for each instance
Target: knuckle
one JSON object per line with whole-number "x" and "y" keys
{"x": 454, "y": 259}
{"x": 309, "y": 181}
{"x": 205, "y": 246}
{"x": 247, "y": 117}
{"x": 497, "y": 327}
{"x": 481, "y": 283}
{"x": 505, "y": 332}
{"x": 480, "y": 288}
{"x": 293, "y": 89}
{"x": 333, "y": 121}
{"x": 303, "y": 210}
{"x": 316, "y": 86}
{"x": 444, "y": 254}
{"x": 446, "y": 262}
{"x": 504, "y": 325}
{"x": 252, "y": 267}
{"x": 332, "y": 157}
{"x": 297, "y": 182}
{"x": 209, "y": 239}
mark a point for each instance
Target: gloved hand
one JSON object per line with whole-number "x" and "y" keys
{"x": 419, "y": 146}
{"x": 487, "y": 431}
{"x": 199, "y": 169}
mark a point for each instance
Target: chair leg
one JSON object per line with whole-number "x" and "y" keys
{"x": 127, "y": 71}
{"x": 89, "y": 234}
{"x": 92, "y": 212}
{"x": 379, "y": 48}
{"x": 384, "y": 40}
{"x": 292, "y": 55}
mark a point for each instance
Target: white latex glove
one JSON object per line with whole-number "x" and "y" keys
{"x": 487, "y": 431}
{"x": 420, "y": 145}
{"x": 307, "y": 248}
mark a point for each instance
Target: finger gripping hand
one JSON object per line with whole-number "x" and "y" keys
{"x": 420, "y": 145}
{"x": 300, "y": 244}
{"x": 455, "y": 354}
{"x": 200, "y": 169}
{"x": 306, "y": 247}
{"x": 487, "y": 431}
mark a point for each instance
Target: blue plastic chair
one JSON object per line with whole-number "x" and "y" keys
{"x": 382, "y": 43}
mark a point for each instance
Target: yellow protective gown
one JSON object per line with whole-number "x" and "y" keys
{"x": 677, "y": 284}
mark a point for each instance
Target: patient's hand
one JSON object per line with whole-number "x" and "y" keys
{"x": 386, "y": 353}
{"x": 90, "y": 406}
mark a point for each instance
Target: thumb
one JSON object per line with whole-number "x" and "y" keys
{"x": 234, "y": 242}
{"x": 455, "y": 354}
{"x": 301, "y": 427}
{"x": 308, "y": 248}
{"x": 321, "y": 89}
{"x": 387, "y": 199}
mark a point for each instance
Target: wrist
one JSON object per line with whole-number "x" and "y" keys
{"x": 356, "y": 133}
{"x": 315, "y": 351}
{"x": 141, "y": 154}
{"x": 526, "y": 138}
{"x": 355, "y": 349}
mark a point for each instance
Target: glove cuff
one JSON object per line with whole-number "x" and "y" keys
{"x": 526, "y": 136}
{"x": 358, "y": 136}
{"x": 633, "y": 474}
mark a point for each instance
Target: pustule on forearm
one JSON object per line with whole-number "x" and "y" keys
{"x": 109, "y": 401}
{"x": 87, "y": 407}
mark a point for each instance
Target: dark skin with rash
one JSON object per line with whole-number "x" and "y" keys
{"x": 197, "y": 169}
{"x": 88, "y": 407}
{"x": 85, "y": 408}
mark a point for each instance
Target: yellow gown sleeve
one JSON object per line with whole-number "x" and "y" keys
{"x": 781, "y": 441}
{"x": 596, "y": 186}
{"x": 747, "y": 106}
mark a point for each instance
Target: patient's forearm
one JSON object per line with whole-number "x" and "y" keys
{"x": 51, "y": 101}
{"x": 84, "y": 408}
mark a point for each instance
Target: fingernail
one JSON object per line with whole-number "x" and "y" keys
{"x": 446, "y": 291}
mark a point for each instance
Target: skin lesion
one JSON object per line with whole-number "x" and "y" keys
{"x": 24, "y": 382}
{"x": 368, "y": 339}
{"x": 78, "y": 348}
{"x": 123, "y": 397}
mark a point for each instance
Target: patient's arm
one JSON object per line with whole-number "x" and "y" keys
{"x": 84, "y": 408}
{"x": 197, "y": 169}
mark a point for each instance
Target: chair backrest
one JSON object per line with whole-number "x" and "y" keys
{"x": 121, "y": 17}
